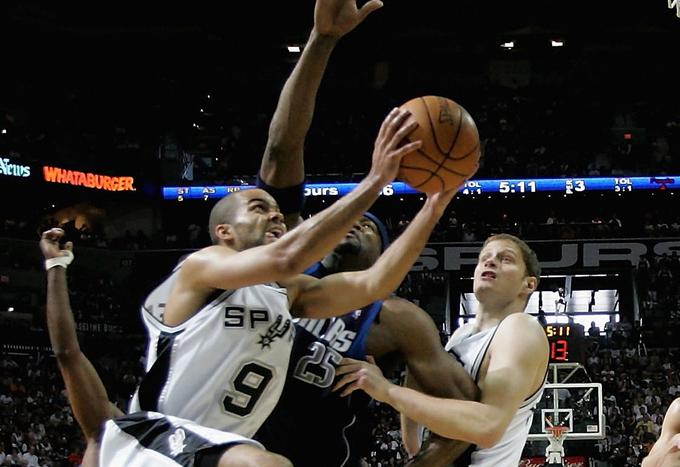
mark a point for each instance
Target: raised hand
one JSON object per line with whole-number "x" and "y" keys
{"x": 338, "y": 17}
{"x": 388, "y": 150}
{"x": 49, "y": 244}
{"x": 441, "y": 199}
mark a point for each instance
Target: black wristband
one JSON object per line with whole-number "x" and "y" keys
{"x": 291, "y": 199}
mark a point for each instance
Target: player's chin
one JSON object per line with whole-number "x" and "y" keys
{"x": 349, "y": 244}
{"x": 483, "y": 287}
{"x": 269, "y": 238}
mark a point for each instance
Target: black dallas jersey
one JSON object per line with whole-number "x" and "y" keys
{"x": 312, "y": 425}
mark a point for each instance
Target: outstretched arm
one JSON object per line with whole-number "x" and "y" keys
{"x": 86, "y": 393}
{"x": 220, "y": 267}
{"x": 513, "y": 369}
{"x": 346, "y": 291}
{"x": 282, "y": 165}
{"x": 430, "y": 369}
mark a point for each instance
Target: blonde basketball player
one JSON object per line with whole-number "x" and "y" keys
{"x": 504, "y": 350}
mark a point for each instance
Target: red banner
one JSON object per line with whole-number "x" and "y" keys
{"x": 569, "y": 461}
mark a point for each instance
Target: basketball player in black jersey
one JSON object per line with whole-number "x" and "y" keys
{"x": 395, "y": 331}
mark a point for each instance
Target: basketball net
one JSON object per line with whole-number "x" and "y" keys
{"x": 554, "y": 453}
{"x": 558, "y": 433}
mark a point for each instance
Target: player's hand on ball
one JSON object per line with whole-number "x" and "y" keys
{"x": 336, "y": 18}
{"x": 441, "y": 199}
{"x": 358, "y": 374}
{"x": 388, "y": 150}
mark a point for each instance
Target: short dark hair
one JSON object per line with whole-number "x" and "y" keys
{"x": 222, "y": 213}
{"x": 533, "y": 267}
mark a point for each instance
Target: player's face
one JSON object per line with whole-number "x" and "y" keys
{"x": 258, "y": 221}
{"x": 364, "y": 239}
{"x": 500, "y": 275}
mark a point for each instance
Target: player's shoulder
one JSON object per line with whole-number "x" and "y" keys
{"x": 209, "y": 255}
{"x": 400, "y": 305}
{"x": 403, "y": 310}
{"x": 525, "y": 320}
{"x": 405, "y": 316}
{"x": 525, "y": 325}
{"x": 674, "y": 410}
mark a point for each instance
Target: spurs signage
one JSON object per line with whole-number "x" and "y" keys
{"x": 553, "y": 254}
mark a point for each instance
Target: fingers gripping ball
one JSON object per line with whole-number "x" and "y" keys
{"x": 450, "y": 152}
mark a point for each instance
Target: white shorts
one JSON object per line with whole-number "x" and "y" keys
{"x": 147, "y": 439}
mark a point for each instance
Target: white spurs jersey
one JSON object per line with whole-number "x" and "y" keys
{"x": 224, "y": 368}
{"x": 471, "y": 349}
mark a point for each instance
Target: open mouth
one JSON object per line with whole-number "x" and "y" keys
{"x": 488, "y": 275}
{"x": 275, "y": 233}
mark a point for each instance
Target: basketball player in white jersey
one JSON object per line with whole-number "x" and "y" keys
{"x": 666, "y": 450}
{"x": 169, "y": 441}
{"x": 220, "y": 326}
{"x": 401, "y": 332}
{"x": 504, "y": 350}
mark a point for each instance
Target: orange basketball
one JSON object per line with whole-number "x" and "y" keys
{"x": 450, "y": 152}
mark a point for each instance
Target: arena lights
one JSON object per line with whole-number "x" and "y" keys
{"x": 508, "y": 45}
{"x": 556, "y": 43}
{"x": 294, "y": 49}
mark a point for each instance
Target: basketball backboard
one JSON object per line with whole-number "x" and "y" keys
{"x": 578, "y": 406}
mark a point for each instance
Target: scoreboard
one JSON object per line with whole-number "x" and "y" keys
{"x": 508, "y": 187}
{"x": 567, "y": 342}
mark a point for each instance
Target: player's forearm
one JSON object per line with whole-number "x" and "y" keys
{"x": 86, "y": 392}
{"x": 87, "y": 395}
{"x": 389, "y": 271}
{"x": 283, "y": 165}
{"x": 410, "y": 435}
{"x": 317, "y": 236}
{"x": 60, "y": 323}
{"x": 467, "y": 421}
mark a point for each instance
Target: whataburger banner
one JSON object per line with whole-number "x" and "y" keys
{"x": 553, "y": 254}
{"x": 88, "y": 180}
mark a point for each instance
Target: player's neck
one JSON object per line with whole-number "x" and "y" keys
{"x": 335, "y": 262}
{"x": 489, "y": 315}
